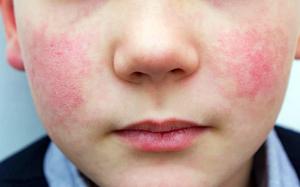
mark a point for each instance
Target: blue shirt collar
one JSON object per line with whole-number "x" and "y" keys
{"x": 280, "y": 171}
{"x": 60, "y": 171}
{"x": 272, "y": 168}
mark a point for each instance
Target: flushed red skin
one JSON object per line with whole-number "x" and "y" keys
{"x": 221, "y": 92}
{"x": 59, "y": 63}
{"x": 249, "y": 61}
{"x": 253, "y": 59}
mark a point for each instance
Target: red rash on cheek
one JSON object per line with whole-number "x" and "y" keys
{"x": 58, "y": 65}
{"x": 253, "y": 60}
{"x": 216, "y": 3}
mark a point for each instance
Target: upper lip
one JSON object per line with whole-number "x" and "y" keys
{"x": 166, "y": 125}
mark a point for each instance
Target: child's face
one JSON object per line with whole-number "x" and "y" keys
{"x": 95, "y": 66}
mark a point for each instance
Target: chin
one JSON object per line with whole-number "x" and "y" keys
{"x": 158, "y": 177}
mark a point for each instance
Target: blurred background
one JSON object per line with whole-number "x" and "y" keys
{"x": 20, "y": 125}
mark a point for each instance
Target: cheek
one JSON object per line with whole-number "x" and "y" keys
{"x": 253, "y": 60}
{"x": 58, "y": 64}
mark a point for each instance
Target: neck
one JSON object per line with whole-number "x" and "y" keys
{"x": 88, "y": 182}
{"x": 243, "y": 177}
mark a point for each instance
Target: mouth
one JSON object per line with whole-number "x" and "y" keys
{"x": 168, "y": 135}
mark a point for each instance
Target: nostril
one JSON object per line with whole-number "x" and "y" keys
{"x": 177, "y": 71}
{"x": 138, "y": 75}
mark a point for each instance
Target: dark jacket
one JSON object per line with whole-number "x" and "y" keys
{"x": 25, "y": 168}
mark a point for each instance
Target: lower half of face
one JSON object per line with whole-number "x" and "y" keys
{"x": 232, "y": 95}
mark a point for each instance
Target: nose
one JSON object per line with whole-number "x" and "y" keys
{"x": 155, "y": 49}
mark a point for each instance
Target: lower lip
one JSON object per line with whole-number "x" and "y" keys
{"x": 176, "y": 140}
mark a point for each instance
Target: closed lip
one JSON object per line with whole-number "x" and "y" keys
{"x": 165, "y": 125}
{"x": 161, "y": 135}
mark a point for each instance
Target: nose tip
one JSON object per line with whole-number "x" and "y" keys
{"x": 155, "y": 64}
{"x": 156, "y": 45}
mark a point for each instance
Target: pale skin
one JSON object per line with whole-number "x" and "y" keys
{"x": 95, "y": 65}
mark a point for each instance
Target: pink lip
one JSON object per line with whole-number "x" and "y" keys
{"x": 161, "y": 135}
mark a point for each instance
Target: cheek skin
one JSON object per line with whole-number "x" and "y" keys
{"x": 76, "y": 10}
{"x": 59, "y": 62}
{"x": 253, "y": 60}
